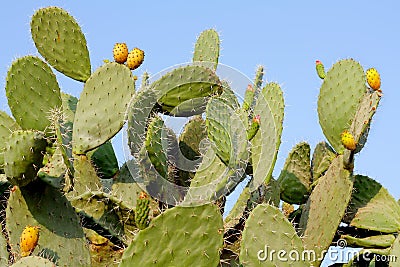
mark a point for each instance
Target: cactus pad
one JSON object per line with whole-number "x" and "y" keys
{"x": 190, "y": 86}
{"x": 23, "y": 156}
{"x": 322, "y": 158}
{"x": 61, "y": 237}
{"x": 196, "y": 242}
{"x": 332, "y": 193}
{"x": 295, "y": 178}
{"x": 339, "y": 98}
{"x": 265, "y": 230}
{"x": 206, "y": 49}
{"x": 33, "y": 261}
{"x": 32, "y": 94}
{"x": 7, "y": 126}
{"x": 101, "y": 108}
{"x": 265, "y": 144}
{"x": 372, "y": 207}
{"x": 60, "y": 40}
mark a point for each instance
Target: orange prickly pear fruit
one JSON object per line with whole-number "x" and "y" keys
{"x": 135, "y": 58}
{"x": 120, "y": 52}
{"x": 348, "y": 140}
{"x": 373, "y": 78}
{"x": 29, "y": 239}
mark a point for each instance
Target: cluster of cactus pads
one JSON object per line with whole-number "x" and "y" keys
{"x": 69, "y": 203}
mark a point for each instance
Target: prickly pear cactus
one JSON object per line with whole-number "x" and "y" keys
{"x": 206, "y": 50}
{"x": 32, "y": 95}
{"x": 341, "y": 92}
{"x": 23, "y": 156}
{"x": 267, "y": 229}
{"x": 196, "y": 242}
{"x": 61, "y": 237}
{"x": 59, "y": 39}
{"x": 100, "y": 112}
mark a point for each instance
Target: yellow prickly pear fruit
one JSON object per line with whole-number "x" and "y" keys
{"x": 29, "y": 239}
{"x": 120, "y": 52}
{"x": 287, "y": 209}
{"x": 135, "y": 58}
{"x": 348, "y": 140}
{"x": 373, "y": 78}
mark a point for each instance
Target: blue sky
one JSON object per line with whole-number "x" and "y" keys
{"x": 284, "y": 36}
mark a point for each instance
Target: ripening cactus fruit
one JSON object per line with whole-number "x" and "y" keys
{"x": 320, "y": 69}
{"x": 373, "y": 78}
{"x": 142, "y": 211}
{"x": 253, "y": 129}
{"x": 348, "y": 140}
{"x": 135, "y": 58}
{"x": 120, "y": 52}
{"x": 29, "y": 239}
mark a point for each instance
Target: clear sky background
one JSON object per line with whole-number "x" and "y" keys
{"x": 284, "y": 36}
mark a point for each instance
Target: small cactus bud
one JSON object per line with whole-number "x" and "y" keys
{"x": 373, "y": 78}
{"x": 142, "y": 210}
{"x": 348, "y": 140}
{"x": 320, "y": 69}
{"x": 29, "y": 239}
{"x": 248, "y": 97}
{"x": 135, "y": 58}
{"x": 253, "y": 129}
{"x": 120, "y": 52}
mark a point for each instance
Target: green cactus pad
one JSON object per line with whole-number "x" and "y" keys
{"x": 212, "y": 180}
{"x": 295, "y": 178}
{"x": 189, "y": 140}
{"x": 32, "y": 92}
{"x": 7, "y": 126}
{"x": 61, "y": 238}
{"x": 124, "y": 186}
{"x": 185, "y": 91}
{"x": 156, "y": 145}
{"x": 33, "y": 261}
{"x": 376, "y": 241}
{"x": 85, "y": 176}
{"x": 265, "y": 144}
{"x": 321, "y": 160}
{"x": 139, "y": 110}
{"x": 265, "y": 230}
{"x": 101, "y": 108}
{"x": 206, "y": 49}
{"x": 189, "y": 144}
{"x": 339, "y": 98}
{"x": 332, "y": 193}
{"x": 104, "y": 160}
{"x": 60, "y": 40}
{"x": 361, "y": 123}
{"x": 23, "y": 156}
{"x": 54, "y": 170}
{"x": 372, "y": 207}
{"x": 226, "y": 130}
{"x": 196, "y": 242}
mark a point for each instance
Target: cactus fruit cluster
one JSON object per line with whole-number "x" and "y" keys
{"x": 164, "y": 205}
